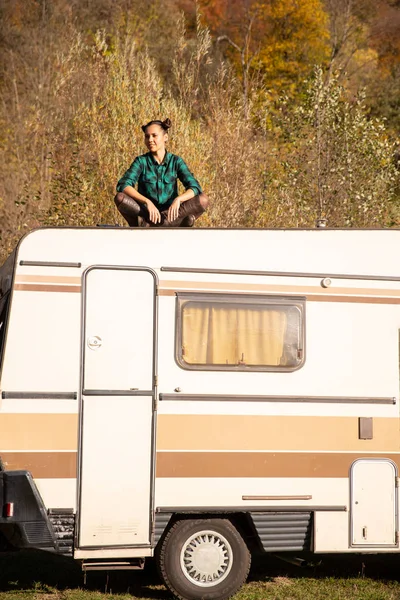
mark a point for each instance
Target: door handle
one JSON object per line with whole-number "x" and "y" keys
{"x": 94, "y": 342}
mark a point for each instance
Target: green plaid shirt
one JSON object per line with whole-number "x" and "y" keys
{"x": 159, "y": 182}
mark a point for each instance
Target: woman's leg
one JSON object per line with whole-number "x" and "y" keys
{"x": 131, "y": 210}
{"x": 189, "y": 211}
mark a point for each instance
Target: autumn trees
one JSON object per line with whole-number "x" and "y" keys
{"x": 282, "y": 39}
{"x": 333, "y": 163}
{"x": 277, "y": 105}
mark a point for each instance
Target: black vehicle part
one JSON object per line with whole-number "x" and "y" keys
{"x": 203, "y": 559}
{"x": 161, "y": 521}
{"x": 24, "y": 521}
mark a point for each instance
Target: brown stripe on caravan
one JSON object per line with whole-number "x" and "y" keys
{"x": 280, "y": 433}
{"x": 38, "y": 431}
{"x": 28, "y": 287}
{"x": 259, "y": 464}
{"x": 44, "y": 465}
{"x": 47, "y": 279}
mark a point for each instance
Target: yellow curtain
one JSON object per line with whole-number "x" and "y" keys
{"x": 227, "y": 335}
{"x": 261, "y": 336}
{"x": 195, "y": 326}
{"x": 222, "y": 337}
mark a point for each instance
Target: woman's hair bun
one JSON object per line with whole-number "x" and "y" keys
{"x": 164, "y": 124}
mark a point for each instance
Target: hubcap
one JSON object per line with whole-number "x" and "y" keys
{"x": 206, "y": 558}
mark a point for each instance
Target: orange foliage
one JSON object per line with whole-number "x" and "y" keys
{"x": 287, "y": 36}
{"x": 385, "y": 35}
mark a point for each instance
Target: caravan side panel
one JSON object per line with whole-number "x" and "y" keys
{"x": 40, "y": 381}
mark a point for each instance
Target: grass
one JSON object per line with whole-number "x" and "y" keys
{"x": 42, "y": 576}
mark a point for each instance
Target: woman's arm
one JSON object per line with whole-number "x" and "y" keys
{"x": 174, "y": 208}
{"x": 131, "y": 175}
{"x": 191, "y": 185}
{"x": 187, "y": 178}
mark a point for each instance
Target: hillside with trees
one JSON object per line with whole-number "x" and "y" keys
{"x": 286, "y": 110}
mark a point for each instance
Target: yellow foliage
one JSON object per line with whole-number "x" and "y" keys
{"x": 296, "y": 38}
{"x": 362, "y": 68}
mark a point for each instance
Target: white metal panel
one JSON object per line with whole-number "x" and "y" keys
{"x": 118, "y": 332}
{"x": 42, "y": 352}
{"x": 57, "y": 492}
{"x": 229, "y": 491}
{"x": 41, "y": 406}
{"x": 373, "y": 499}
{"x": 113, "y": 553}
{"x": 116, "y": 461}
{"x": 331, "y": 531}
{"x": 326, "y": 251}
{"x": 337, "y": 334}
{"x": 336, "y": 364}
{"x": 248, "y": 407}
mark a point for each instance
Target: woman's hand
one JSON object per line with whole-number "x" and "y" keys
{"x": 154, "y": 214}
{"x": 173, "y": 210}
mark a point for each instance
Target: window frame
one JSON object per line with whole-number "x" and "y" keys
{"x": 183, "y": 298}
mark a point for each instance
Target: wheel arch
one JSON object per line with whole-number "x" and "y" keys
{"x": 240, "y": 520}
{"x": 263, "y": 531}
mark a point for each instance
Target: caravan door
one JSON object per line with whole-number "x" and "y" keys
{"x": 118, "y": 381}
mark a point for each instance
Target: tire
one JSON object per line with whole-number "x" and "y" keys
{"x": 203, "y": 559}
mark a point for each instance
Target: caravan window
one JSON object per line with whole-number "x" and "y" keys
{"x": 239, "y": 333}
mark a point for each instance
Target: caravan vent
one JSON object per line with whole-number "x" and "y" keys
{"x": 37, "y": 533}
{"x": 283, "y": 531}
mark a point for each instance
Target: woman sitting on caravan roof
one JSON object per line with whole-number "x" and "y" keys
{"x": 157, "y": 200}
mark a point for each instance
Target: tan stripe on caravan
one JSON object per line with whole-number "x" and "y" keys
{"x": 170, "y": 288}
{"x": 27, "y": 287}
{"x": 38, "y": 431}
{"x": 317, "y": 298}
{"x": 47, "y": 279}
{"x": 313, "y": 293}
{"x": 294, "y": 289}
{"x": 50, "y": 465}
{"x": 258, "y": 464}
{"x": 255, "y": 432}
{"x": 358, "y": 299}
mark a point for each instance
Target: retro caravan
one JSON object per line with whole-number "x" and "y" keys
{"x": 197, "y": 395}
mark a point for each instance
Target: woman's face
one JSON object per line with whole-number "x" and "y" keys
{"x": 155, "y": 138}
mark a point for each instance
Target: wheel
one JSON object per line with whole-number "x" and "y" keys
{"x": 203, "y": 559}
